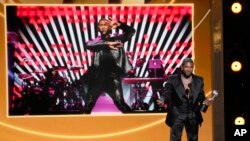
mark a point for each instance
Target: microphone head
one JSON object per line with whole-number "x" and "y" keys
{"x": 215, "y": 93}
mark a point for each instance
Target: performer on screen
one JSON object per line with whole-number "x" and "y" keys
{"x": 109, "y": 64}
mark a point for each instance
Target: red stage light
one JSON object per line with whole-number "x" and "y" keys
{"x": 160, "y": 19}
{"x": 30, "y": 45}
{"x": 52, "y": 62}
{"x": 30, "y": 54}
{"x": 183, "y": 11}
{"x": 154, "y": 45}
{"x": 170, "y": 61}
{"x": 53, "y": 54}
{"x": 178, "y": 61}
{"x": 176, "y": 19}
{"x": 169, "y": 27}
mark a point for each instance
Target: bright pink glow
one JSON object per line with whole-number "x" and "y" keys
{"x": 162, "y": 52}
{"x": 76, "y": 54}
{"x": 123, "y": 20}
{"x": 171, "y": 70}
{"x": 22, "y": 54}
{"x": 52, "y": 62}
{"x": 170, "y": 61}
{"x": 61, "y": 45}
{"x": 153, "y": 20}
{"x": 69, "y": 20}
{"x": 39, "y": 29}
{"x": 169, "y": 27}
{"x": 146, "y": 45}
{"x": 168, "y": 11}
{"x": 138, "y": 53}
{"x": 32, "y": 21}
{"x": 69, "y": 45}
{"x": 153, "y": 53}
{"x": 178, "y": 61}
{"x": 105, "y": 104}
{"x": 46, "y": 54}
{"x": 177, "y": 44}
{"x": 130, "y": 20}
{"x": 183, "y": 11}
{"x": 138, "y": 20}
{"x": 160, "y": 20}
{"x": 84, "y": 28}
{"x": 138, "y": 45}
{"x": 92, "y": 20}
{"x": 61, "y": 37}
{"x": 185, "y": 44}
{"x": 53, "y": 45}
{"x": 16, "y": 92}
{"x": 177, "y": 52}
{"x": 185, "y": 52}
{"x": 154, "y": 45}
{"x": 176, "y": 19}
{"x": 176, "y": 11}
{"x": 168, "y": 19}
{"x": 68, "y": 62}
{"x": 53, "y": 54}
{"x": 30, "y": 54}
{"x": 30, "y": 45}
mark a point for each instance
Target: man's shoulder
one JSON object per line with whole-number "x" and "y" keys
{"x": 98, "y": 38}
{"x": 198, "y": 77}
{"x": 173, "y": 76}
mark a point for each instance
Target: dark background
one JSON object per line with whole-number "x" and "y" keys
{"x": 236, "y": 37}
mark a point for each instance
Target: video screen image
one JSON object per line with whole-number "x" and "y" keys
{"x": 55, "y": 56}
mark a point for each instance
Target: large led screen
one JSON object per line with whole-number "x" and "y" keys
{"x": 47, "y": 39}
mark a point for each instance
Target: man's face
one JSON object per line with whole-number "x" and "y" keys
{"x": 187, "y": 69}
{"x": 104, "y": 27}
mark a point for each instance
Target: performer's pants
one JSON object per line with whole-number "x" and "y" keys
{"x": 109, "y": 83}
{"x": 191, "y": 126}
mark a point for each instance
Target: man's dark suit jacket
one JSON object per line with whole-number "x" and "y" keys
{"x": 174, "y": 91}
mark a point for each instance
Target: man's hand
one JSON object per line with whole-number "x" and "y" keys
{"x": 114, "y": 45}
{"x": 161, "y": 103}
{"x": 209, "y": 101}
{"x": 113, "y": 23}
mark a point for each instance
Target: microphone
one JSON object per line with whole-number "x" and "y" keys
{"x": 203, "y": 106}
{"x": 190, "y": 94}
{"x": 215, "y": 94}
{"x": 186, "y": 94}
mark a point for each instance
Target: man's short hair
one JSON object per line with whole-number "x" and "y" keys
{"x": 187, "y": 60}
{"x": 102, "y": 19}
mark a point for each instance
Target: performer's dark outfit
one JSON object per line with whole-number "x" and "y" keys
{"x": 108, "y": 67}
{"x": 183, "y": 111}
